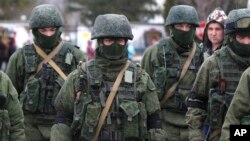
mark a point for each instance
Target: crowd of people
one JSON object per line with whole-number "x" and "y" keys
{"x": 181, "y": 91}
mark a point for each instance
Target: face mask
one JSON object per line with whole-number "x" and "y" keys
{"x": 240, "y": 49}
{"x": 44, "y": 41}
{"x": 114, "y": 51}
{"x": 184, "y": 38}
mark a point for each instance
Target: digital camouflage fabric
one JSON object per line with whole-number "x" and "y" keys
{"x": 134, "y": 111}
{"x": 108, "y": 25}
{"x": 37, "y": 88}
{"x": 164, "y": 62}
{"x": 210, "y": 97}
{"x": 46, "y": 15}
{"x": 11, "y": 114}
{"x": 182, "y": 14}
{"x": 239, "y": 109}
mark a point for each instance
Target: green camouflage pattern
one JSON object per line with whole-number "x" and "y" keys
{"x": 234, "y": 16}
{"x": 205, "y": 88}
{"x": 239, "y": 107}
{"x": 46, "y": 15}
{"x": 182, "y": 14}
{"x": 67, "y": 95}
{"x": 164, "y": 77}
{"x": 111, "y": 25}
{"x": 11, "y": 114}
{"x": 19, "y": 73}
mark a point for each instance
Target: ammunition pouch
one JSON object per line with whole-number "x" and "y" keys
{"x": 29, "y": 98}
{"x": 110, "y": 136}
{"x": 217, "y": 107}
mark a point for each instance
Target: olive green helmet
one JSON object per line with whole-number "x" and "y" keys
{"x": 238, "y": 20}
{"x": 182, "y": 14}
{"x": 111, "y": 25}
{"x": 46, "y": 15}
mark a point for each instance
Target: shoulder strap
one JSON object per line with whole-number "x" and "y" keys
{"x": 47, "y": 59}
{"x": 109, "y": 101}
{"x": 170, "y": 92}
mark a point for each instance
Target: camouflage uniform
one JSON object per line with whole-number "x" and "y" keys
{"x": 216, "y": 82}
{"x": 11, "y": 115}
{"x": 217, "y": 16}
{"x": 37, "y": 90}
{"x": 134, "y": 112}
{"x": 239, "y": 109}
{"x": 164, "y": 62}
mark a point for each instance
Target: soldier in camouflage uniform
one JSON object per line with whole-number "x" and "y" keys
{"x": 218, "y": 78}
{"x": 133, "y": 114}
{"x": 214, "y": 32}
{"x": 164, "y": 62}
{"x": 238, "y": 111}
{"x": 38, "y": 80}
{"x": 11, "y": 114}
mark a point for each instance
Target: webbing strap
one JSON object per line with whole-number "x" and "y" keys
{"x": 171, "y": 90}
{"x": 109, "y": 101}
{"x": 47, "y": 59}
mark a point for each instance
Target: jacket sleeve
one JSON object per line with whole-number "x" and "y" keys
{"x": 64, "y": 104}
{"x": 15, "y": 113}
{"x": 239, "y": 107}
{"x": 148, "y": 60}
{"x": 198, "y": 99}
{"x": 15, "y": 70}
{"x": 150, "y": 99}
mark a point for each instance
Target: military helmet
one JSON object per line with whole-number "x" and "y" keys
{"x": 46, "y": 15}
{"x": 111, "y": 25}
{"x": 182, "y": 14}
{"x": 238, "y": 21}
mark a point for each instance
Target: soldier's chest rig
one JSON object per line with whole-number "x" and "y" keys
{"x": 222, "y": 91}
{"x": 126, "y": 118}
{"x": 167, "y": 72}
{"x": 42, "y": 87}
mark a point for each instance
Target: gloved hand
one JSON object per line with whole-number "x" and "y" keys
{"x": 157, "y": 135}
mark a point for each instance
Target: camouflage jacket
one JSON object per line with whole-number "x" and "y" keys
{"x": 164, "y": 62}
{"x": 213, "y": 90}
{"x": 66, "y": 103}
{"x": 239, "y": 107}
{"x": 11, "y": 114}
{"x": 22, "y": 72}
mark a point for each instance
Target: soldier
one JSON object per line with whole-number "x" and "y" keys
{"x": 214, "y": 32}
{"x": 39, "y": 70}
{"x": 239, "y": 109}
{"x": 172, "y": 64}
{"x": 11, "y": 114}
{"x": 85, "y": 109}
{"x": 218, "y": 78}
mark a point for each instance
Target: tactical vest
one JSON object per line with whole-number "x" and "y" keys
{"x": 41, "y": 89}
{"x": 4, "y": 115}
{"x": 222, "y": 92}
{"x": 168, "y": 72}
{"x": 127, "y": 117}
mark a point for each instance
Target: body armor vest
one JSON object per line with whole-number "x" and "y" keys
{"x": 222, "y": 93}
{"x": 168, "y": 72}
{"x": 42, "y": 87}
{"x": 127, "y": 117}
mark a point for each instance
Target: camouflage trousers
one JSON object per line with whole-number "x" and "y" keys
{"x": 36, "y": 128}
{"x": 174, "y": 125}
